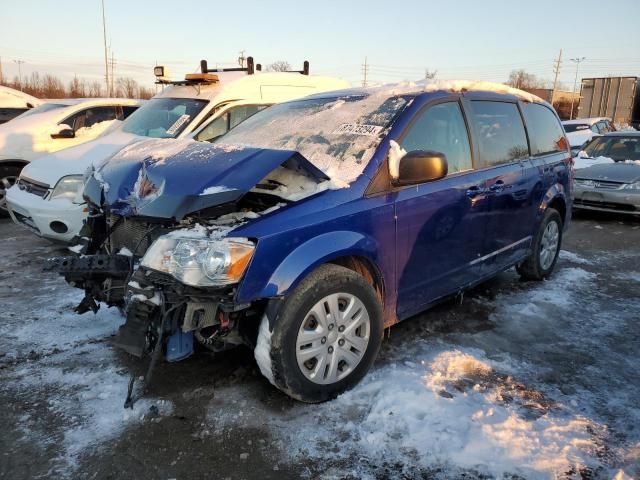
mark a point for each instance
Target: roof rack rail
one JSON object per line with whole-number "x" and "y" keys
{"x": 250, "y": 69}
{"x": 304, "y": 71}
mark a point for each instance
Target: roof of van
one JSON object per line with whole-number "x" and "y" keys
{"x": 416, "y": 88}
{"x": 95, "y": 101}
{"x": 240, "y": 85}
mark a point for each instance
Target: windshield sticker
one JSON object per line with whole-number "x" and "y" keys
{"x": 357, "y": 129}
{"x": 182, "y": 119}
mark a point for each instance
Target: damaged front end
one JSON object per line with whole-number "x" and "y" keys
{"x": 158, "y": 242}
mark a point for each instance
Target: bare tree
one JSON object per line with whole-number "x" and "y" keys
{"x": 524, "y": 80}
{"x": 145, "y": 93}
{"x": 279, "y": 66}
{"x": 430, "y": 74}
{"x": 77, "y": 88}
{"x": 52, "y": 87}
{"x": 95, "y": 89}
{"x": 127, "y": 87}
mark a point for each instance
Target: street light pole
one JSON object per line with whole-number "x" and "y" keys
{"x": 577, "y": 61}
{"x": 19, "y": 62}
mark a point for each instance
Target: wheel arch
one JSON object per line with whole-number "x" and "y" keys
{"x": 352, "y": 250}
{"x": 13, "y": 162}
{"x": 556, "y": 198}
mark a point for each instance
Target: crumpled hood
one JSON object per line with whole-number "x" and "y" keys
{"x": 75, "y": 160}
{"x": 173, "y": 178}
{"x": 612, "y": 172}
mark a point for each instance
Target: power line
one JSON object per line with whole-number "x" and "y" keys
{"x": 20, "y": 62}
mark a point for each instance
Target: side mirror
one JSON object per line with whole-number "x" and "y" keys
{"x": 420, "y": 166}
{"x": 64, "y": 131}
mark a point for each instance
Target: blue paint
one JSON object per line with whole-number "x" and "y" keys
{"x": 179, "y": 346}
{"x": 425, "y": 241}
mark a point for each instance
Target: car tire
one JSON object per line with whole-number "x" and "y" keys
{"x": 8, "y": 176}
{"x": 339, "y": 314}
{"x": 545, "y": 248}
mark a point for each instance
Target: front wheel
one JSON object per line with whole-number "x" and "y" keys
{"x": 8, "y": 176}
{"x": 325, "y": 338}
{"x": 546, "y": 247}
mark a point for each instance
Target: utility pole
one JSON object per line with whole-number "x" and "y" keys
{"x": 365, "y": 72}
{"x": 19, "y": 62}
{"x": 106, "y": 62}
{"x": 1, "y": 78}
{"x": 556, "y": 70}
{"x": 577, "y": 61}
{"x": 113, "y": 64}
{"x": 241, "y": 59}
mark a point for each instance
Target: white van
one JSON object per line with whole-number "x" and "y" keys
{"x": 47, "y": 197}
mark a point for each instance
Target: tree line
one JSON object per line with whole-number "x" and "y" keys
{"x": 50, "y": 86}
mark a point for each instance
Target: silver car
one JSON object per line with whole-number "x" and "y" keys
{"x": 611, "y": 187}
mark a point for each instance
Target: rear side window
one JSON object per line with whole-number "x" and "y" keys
{"x": 126, "y": 111}
{"x": 442, "y": 129}
{"x": 499, "y": 132}
{"x": 545, "y": 132}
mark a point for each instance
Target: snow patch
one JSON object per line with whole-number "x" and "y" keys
{"x": 585, "y": 162}
{"x": 396, "y": 152}
{"x": 126, "y": 252}
{"x": 216, "y": 189}
{"x": 262, "y": 351}
{"x": 574, "y": 258}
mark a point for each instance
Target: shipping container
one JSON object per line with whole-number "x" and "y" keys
{"x": 617, "y": 98}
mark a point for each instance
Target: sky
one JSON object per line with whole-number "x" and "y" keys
{"x": 465, "y": 39}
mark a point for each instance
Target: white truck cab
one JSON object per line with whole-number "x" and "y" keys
{"x": 47, "y": 196}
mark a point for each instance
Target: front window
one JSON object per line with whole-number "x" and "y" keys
{"x": 616, "y": 148}
{"x": 337, "y": 135}
{"x": 163, "y": 117}
{"x": 45, "y": 107}
{"x": 575, "y": 127}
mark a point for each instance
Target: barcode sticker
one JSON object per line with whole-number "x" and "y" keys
{"x": 182, "y": 119}
{"x": 358, "y": 129}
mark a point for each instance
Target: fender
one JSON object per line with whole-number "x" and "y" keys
{"x": 303, "y": 260}
{"x": 554, "y": 193}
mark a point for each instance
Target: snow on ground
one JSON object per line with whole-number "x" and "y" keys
{"x": 71, "y": 368}
{"x": 441, "y": 405}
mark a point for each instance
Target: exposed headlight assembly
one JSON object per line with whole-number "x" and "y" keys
{"x": 200, "y": 262}
{"x": 69, "y": 187}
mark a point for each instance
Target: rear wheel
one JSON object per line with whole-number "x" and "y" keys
{"x": 546, "y": 247}
{"x": 8, "y": 176}
{"x": 325, "y": 338}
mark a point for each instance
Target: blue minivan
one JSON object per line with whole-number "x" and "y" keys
{"x": 316, "y": 224}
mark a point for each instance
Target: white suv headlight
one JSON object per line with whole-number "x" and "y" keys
{"x": 200, "y": 262}
{"x": 68, "y": 187}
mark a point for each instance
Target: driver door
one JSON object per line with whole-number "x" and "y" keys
{"x": 440, "y": 225}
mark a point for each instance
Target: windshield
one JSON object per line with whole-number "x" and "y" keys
{"x": 616, "y": 148}
{"x": 337, "y": 135}
{"x": 163, "y": 117}
{"x": 45, "y": 107}
{"x": 575, "y": 127}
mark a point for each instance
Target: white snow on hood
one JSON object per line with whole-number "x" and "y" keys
{"x": 159, "y": 149}
{"x": 586, "y": 162}
{"x": 75, "y": 160}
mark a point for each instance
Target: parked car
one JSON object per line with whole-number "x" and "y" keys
{"x": 52, "y": 126}
{"x": 611, "y": 180}
{"x": 14, "y": 103}
{"x": 582, "y": 130}
{"x": 203, "y": 107}
{"x": 317, "y": 223}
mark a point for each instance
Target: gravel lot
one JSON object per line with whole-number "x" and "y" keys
{"x": 520, "y": 380}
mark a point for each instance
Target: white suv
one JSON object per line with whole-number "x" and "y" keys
{"x": 48, "y": 196}
{"x": 53, "y": 126}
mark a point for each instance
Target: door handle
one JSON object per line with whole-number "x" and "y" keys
{"x": 474, "y": 191}
{"x": 496, "y": 187}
